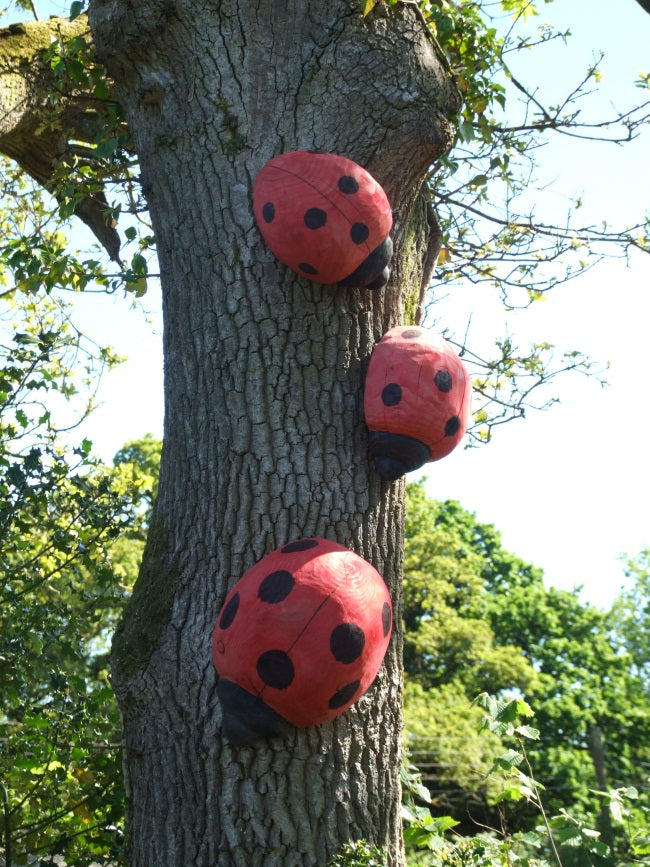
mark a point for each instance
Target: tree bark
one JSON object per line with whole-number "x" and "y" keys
{"x": 264, "y": 440}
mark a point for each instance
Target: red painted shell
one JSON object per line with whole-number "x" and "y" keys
{"x": 417, "y": 400}
{"x": 321, "y": 214}
{"x": 305, "y": 631}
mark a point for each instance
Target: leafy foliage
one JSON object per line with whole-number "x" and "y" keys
{"x": 481, "y": 191}
{"x": 494, "y": 158}
{"x": 631, "y": 615}
{"x": 590, "y": 734}
{"x": 446, "y": 634}
{"x": 359, "y": 854}
{"x": 488, "y": 194}
{"x": 61, "y": 516}
{"x": 564, "y": 839}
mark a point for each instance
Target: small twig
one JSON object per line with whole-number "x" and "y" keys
{"x": 540, "y": 805}
{"x": 34, "y": 10}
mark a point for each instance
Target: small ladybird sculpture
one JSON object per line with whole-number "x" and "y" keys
{"x": 299, "y": 639}
{"x": 325, "y": 217}
{"x": 417, "y": 400}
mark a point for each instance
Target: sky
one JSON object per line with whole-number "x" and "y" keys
{"x": 568, "y": 488}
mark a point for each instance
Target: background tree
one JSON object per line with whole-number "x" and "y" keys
{"x": 451, "y": 654}
{"x": 61, "y": 515}
{"x": 584, "y": 683}
{"x": 631, "y": 613}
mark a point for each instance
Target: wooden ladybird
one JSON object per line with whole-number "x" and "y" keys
{"x": 417, "y": 400}
{"x": 299, "y": 639}
{"x": 325, "y": 217}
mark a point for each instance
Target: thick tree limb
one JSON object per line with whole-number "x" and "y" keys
{"x": 37, "y": 134}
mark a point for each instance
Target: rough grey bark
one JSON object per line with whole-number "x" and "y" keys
{"x": 264, "y": 439}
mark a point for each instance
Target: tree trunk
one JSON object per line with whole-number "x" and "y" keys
{"x": 264, "y": 440}
{"x": 596, "y": 746}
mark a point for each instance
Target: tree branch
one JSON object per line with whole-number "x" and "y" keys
{"x": 37, "y": 134}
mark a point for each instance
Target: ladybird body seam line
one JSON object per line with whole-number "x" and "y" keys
{"x": 391, "y": 375}
{"x": 422, "y": 355}
{"x": 322, "y": 195}
{"x": 304, "y": 628}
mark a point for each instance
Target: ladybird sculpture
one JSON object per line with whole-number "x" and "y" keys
{"x": 325, "y": 217}
{"x": 417, "y": 400}
{"x": 299, "y": 639}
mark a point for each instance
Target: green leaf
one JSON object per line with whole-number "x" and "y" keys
{"x": 478, "y": 181}
{"x": 100, "y": 90}
{"x": 640, "y": 842}
{"x": 138, "y": 287}
{"x": 509, "y": 793}
{"x": 528, "y": 732}
{"x": 444, "y": 823}
{"x": 76, "y": 9}
{"x": 408, "y": 814}
{"x": 139, "y": 264}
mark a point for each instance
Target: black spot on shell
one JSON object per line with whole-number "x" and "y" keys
{"x": 386, "y": 618}
{"x": 229, "y": 612}
{"x": 411, "y": 333}
{"x": 307, "y": 268}
{"x": 348, "y": 185}
{"x": 443, "y": 380}
{"x": 347, "y": 642}
{"x": 452, "y": 426}
{"x": 276, "y": 669}
{"x": 359, "y": 232}
{"x": 276, "y": 586}
{"x": 391, "y": 394}
{"x": 268, "y": 212}
{"x": 315, "y": 218}
{"x": 343, "y": 695}
{"x": 300, "y": 545}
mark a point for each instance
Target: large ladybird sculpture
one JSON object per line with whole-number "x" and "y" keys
{"x": 325, "y": 217}
{"x": 299, "y": 639}
{"x": 417, "y": 400}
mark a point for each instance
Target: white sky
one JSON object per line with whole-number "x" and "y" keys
{"x": 568, "y": 489}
